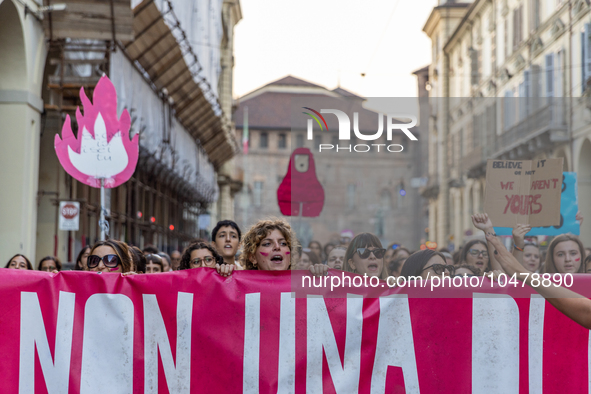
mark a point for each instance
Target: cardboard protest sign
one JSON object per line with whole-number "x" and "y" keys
{"x": 569, "y": 207}
{"x": 523, "y": 191}
{"x": 102, "y": 149}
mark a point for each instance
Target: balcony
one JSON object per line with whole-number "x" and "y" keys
{"x": 431, "y": 191}
{"x": 537, "y": 131}
{"x": 474, "y": 163}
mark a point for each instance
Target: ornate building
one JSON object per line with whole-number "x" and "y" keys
{"x": 178, "y": 94}
{"x": 364, "y": 192}
{"x": 509, "y": 80}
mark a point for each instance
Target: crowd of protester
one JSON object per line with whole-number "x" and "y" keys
{"x": 272, "y": 245}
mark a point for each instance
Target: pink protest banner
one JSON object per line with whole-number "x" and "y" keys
{"x": 196, "y": 332}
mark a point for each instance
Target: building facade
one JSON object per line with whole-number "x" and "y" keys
{"x": 509, "y": 80}
{"x": 177, "y": 93}
{"x": 364, "y": 192}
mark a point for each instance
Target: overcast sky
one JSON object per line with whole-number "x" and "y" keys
{"x": 320, "y": 40}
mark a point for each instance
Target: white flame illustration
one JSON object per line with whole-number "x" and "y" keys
{"x": 99, "y": 158}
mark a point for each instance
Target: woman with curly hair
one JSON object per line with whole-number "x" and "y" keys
{"x": 200, "y": 254}
{"x": 267, "y": 246}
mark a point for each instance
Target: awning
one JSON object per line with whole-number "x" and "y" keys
{"x": 90, "y": 19}
{"x": 156, "y": 49}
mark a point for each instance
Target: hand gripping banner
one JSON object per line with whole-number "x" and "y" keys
{"x": 194, "y": 331}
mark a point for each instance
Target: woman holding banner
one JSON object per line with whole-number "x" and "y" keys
{"x": 267, "y": 246}
{"x": 365, "y": 255}
{"x": 109, "y": 256}
{"x": 201, "y": 254}
{"x": 426, "y": 263}
{"x": 19, "y": 261}
{"x": 575, "y": 306}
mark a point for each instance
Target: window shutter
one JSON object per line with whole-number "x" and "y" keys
{"x": 558, "y": 79}
{"x": 507, "y": 107}
{"x": 527, "y": 92}
{"x": 520, "y": 23}
{"x": 550, "y": 75}
{"x": 536, "y": 86}
{"x": 515, "y": 28}
{"x": 474, "y": 66}
{"x": 586, "y": 54}
{"x": 521, "y": 101}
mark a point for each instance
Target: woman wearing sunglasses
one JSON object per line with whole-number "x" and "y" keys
{"x": 426, "y": 263}
{"x": 365, "y": 255}
{"x": 467, "y": 270}
{"x": 202, "y": 254}
{"x": 109, "y": 256}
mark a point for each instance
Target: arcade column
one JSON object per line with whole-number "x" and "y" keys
{"x": 23, "y": 51}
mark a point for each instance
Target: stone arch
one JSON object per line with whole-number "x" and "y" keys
{"x": 584, "y": 184}
{"x": 19, "y": 150}
{"x": 13, "y": 67}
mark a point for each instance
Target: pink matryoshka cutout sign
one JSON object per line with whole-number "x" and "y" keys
{"x": 103, "y": 149}
{"x": 301, "y": 188}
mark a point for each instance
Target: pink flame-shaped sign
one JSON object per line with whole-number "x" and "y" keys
{"x": 103, "y": 149}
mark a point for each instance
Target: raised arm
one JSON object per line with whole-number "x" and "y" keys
{"x": 482, "y": 222}
{"x": 519, "y": 232}
{"x": 573, "y": 305}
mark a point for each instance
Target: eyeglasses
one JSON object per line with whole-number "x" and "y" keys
{"x": 207, "y": 259}
{"x": 441, "y": 268}
{"x": 109, "y": 260}
{"x": 365, "y": 252}
{"x": 476, "y": 252}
